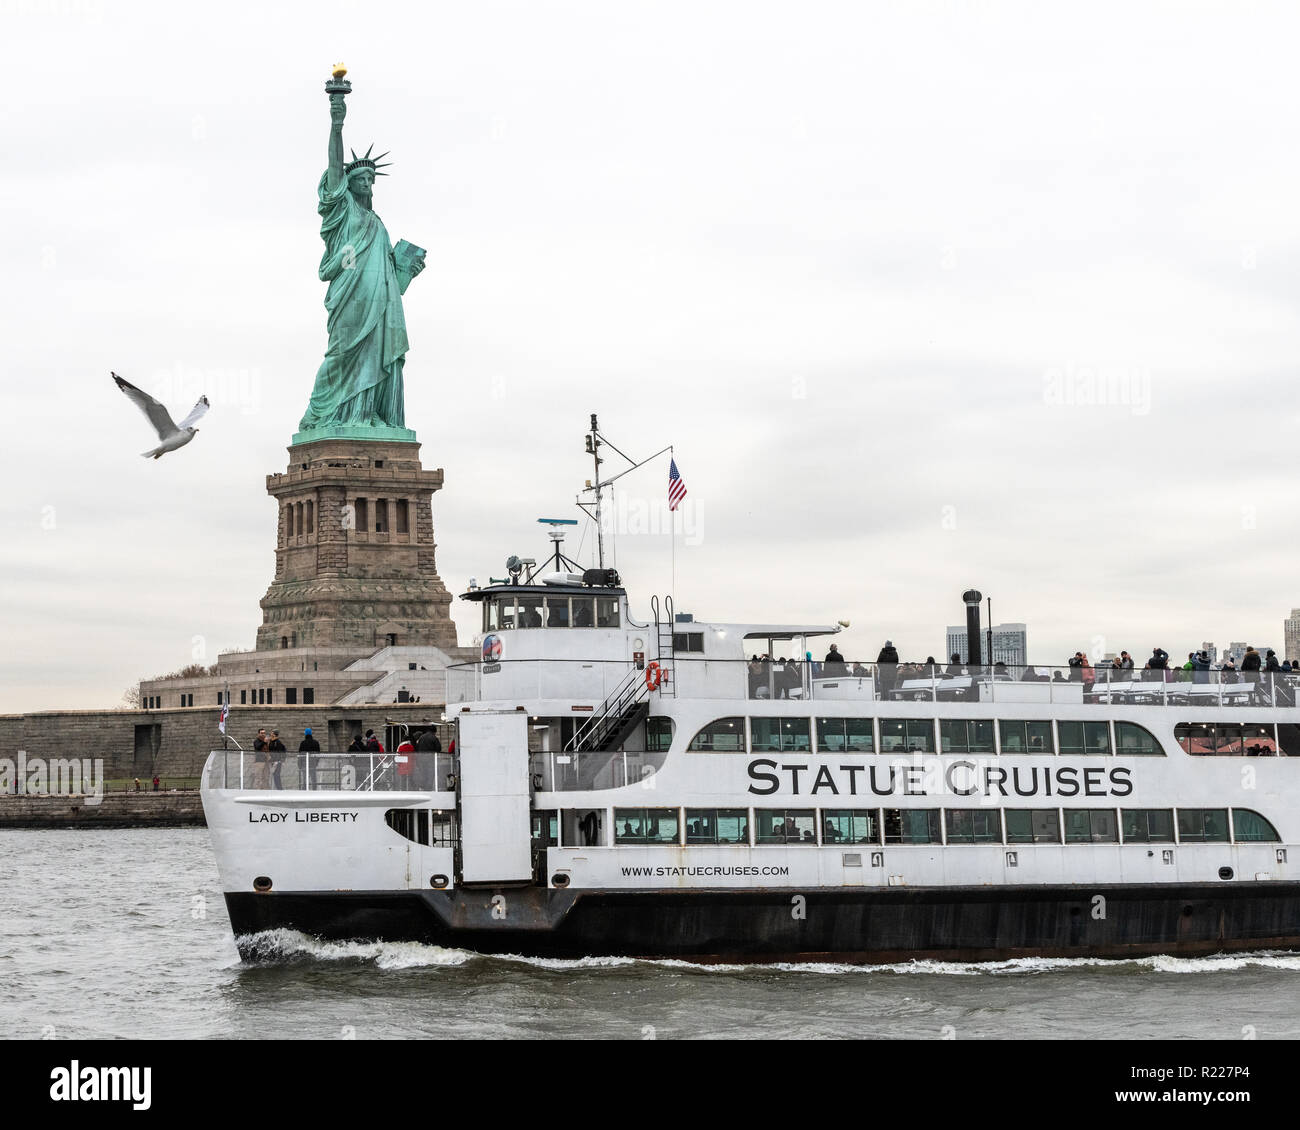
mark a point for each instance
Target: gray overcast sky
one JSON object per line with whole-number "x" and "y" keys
{"x": 926, "y": 295}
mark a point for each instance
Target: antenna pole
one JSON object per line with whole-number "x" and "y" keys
{"x": 593, "y": 446}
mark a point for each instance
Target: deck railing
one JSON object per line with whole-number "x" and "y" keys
{"x": 331, "y": 772}
{"x": 694, "y": 677}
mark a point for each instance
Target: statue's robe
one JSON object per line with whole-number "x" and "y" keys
{"x": 360, "y": 380}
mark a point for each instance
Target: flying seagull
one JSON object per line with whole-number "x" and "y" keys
{"x": 171, "y": 434}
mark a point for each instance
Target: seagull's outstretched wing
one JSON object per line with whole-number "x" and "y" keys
{"x": 196, "y": 413}
{"x": 158, "y": 415}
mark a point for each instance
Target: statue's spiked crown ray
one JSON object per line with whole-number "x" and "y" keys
{"x": 367, "y": 162}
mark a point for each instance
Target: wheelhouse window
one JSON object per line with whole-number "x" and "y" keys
{"x": 584, "y": 615}
{"x": 722, "y": 735}
{"x": 557, "y": 612}
{"x": 1033, "y": 826}
{"x": 688, "y": 641}
{"x": 1091, "y": 826}
{"x": 1203, "y": 825}
{"x": 778, "y": 735}
{"x": 845, "y": 735}
{"x": 785, "y": 826}
{"x": 1084, "y": 737}
{"x": 529, "y": 613}
{"x": 1132, "y": 739}
{"x": 1026, "y": 737}
{"x": 658, "y": 733}
{"x": 911, "y": 826}
{"x": 973, "y": 825}
{"x": 1248, "y": 826}
{"x": 645, "y": 825}
{"x": 906, "y": 735}
{"x": 606, "y": 612}
{"x": 1148, "y": 825}
{"x": 717, "y": 826}
{"x": 966, "y": 736}
{"x": 850, "y": 826}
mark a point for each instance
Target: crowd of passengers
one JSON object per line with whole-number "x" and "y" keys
{"x": 784, "y": 678}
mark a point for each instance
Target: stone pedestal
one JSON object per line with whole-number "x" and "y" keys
{"x": 354, "y": 559}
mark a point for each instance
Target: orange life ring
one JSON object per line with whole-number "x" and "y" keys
{"x": 652, "y": 675}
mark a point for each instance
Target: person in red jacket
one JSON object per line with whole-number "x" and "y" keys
{"x": 405, "y": 764}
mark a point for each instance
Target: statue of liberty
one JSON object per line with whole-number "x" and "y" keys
{"x": 359, "y": 384}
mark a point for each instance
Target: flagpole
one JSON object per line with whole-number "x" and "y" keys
{"x": 672, "y": 533}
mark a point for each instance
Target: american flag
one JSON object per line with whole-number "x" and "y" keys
{"x": 225, "y": 713}
{"x": 676, "y": 488}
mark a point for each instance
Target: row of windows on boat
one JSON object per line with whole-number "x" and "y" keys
{"x": 504, "y": 613}
{"x": 975, "y": 735}
{"x": 830, "y": 827}
{"x": 833, "y": 827}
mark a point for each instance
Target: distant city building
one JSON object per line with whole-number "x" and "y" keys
{"x": 1291, "y": 631}
{"x": 1010, "y": 644}
{"x": 1235, "y": 652}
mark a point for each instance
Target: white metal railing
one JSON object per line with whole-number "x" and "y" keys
{"x": 331, "y": 772}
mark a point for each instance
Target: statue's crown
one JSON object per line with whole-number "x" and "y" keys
{"x": 367, "y": 162}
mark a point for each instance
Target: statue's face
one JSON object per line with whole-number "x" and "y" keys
{"x": 360, "y": 184}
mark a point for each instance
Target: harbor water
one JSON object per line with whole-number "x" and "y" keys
{"x": 123, "y": 934}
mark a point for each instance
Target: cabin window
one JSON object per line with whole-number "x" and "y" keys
{"x": 1288, "y": 739}
{"x": 845, "y": 735}
{"x": 658, "y": 733}
{"x": 911, "y": 826}
{"x": 530, "y": 611}
{"x": 1033, "y": 826}
{"x": 785, "y": 826}
{"x": 606, "y": 612}
{"x": 769, "y": 735}
{"x": 906, "y": 735}
{"x": 557, "y": 611}
{"x": 1227, "y": 739}
{"x": 961, "y": 736}
{"x": 1148, "y": 825}
{"x": 722, "y": 735}
{"x": 1091, "y": 826}
{"x": 506, "y": 615}
{"x": 420, "y": 825}
{"x": 688, "y": 641}
{"x": 645, "y": 825}
{"x": 850, "y": 826}
{"x": 1250, "y": 825}
{"x": 973, "y": 825}
{"x": 1084, "y": 737}
{"x": 717, "y": 826}
{"x": 583, "y": 616}
{"x": 1203, "y": 825}
{"x": 1130, "y": 738}
{"x": 1026, "y": 737}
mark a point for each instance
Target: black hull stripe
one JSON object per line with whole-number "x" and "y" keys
{"x": 848, "y": 925}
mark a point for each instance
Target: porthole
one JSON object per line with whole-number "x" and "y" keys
{"x": 559, "y": 879}
{"x": 262, "y": 884}
{"x": 438, "y": 881}
{"x": 1225, "y": 872}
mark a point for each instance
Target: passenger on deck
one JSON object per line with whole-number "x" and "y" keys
{"x": 887, "y": 667}
{"x": 1201, "y": 667}
{"x": 859, "y": 671}
{"x": 793, "y": 680}
{"x": 1157, "y": 663}
{"x": 954, "y": 665}
{"x": 833, "y": 660}
{"x": 1250, "y": 665}
{"x": 1076, "y": 667}
{"x": 1000, "y": 670}
{"x": 1228, "y": 673}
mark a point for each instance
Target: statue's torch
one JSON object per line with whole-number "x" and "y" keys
{"x": 338, "y": 84}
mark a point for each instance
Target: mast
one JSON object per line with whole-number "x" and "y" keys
{"x": 593, "y": 449}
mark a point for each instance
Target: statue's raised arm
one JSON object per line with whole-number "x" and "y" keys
{"x": 338, "y": 111}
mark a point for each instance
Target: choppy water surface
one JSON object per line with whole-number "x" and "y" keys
{"x": 124, "y": 934}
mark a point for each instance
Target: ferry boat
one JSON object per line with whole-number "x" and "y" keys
{"x": 651, "y": 786}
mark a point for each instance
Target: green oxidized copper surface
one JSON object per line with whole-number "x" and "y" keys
{"x": 358, "y": 392}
